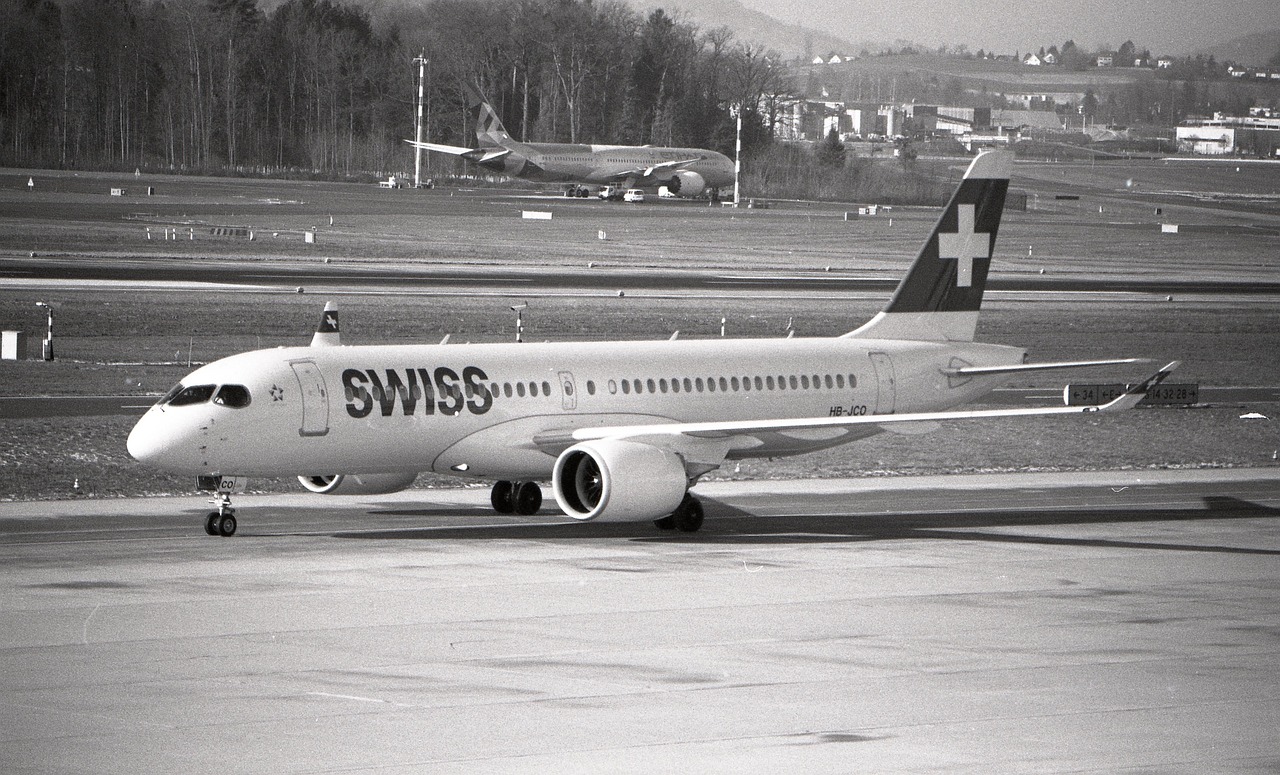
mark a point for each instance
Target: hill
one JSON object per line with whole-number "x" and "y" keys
{"x": 1253, "y": 50}
{"x": 751, "y": 26}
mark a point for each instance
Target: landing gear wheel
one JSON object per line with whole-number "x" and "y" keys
{"x": 503, "y": 497}
{"x": 227, "y": 526}
{"x": 223, "y": 521}
{"x": 665, "y": 523}
{"x": 528, "y": 498}
{"x": 688, "y": 515}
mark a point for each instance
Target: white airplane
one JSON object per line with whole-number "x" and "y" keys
{"x": 621, "y": 429}
{"x": 685, "y": 172}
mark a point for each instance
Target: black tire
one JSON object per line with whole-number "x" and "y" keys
{"x": 528, "y": 498}
{"x": 211, "y": 523}
{"x": 503, "y": 497}
{"x": 665, "y": 523}
{"x": 227, "y": 526}
{"x": 688, "y": 515}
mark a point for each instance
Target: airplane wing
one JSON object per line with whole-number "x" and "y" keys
{"x": 665, "y": 434}
{"x": 644, "y": 172}
{"x": 976, "y": 371}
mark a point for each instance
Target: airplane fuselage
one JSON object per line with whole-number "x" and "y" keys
{"x": 605, "y": 164}
{"x": 494, "y": 411}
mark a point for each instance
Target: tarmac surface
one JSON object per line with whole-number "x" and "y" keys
{"x": 1102, "y": 622}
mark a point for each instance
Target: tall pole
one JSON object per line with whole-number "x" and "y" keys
{"x": 737, "y": 160}
{"x": 48, "y": 340}
{"x": 421, "y": 60}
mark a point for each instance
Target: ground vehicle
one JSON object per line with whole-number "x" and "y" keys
{"x": 610, "y": 193}
{"x": 633, "y": 195}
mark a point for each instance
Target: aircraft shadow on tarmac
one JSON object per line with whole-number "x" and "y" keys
{"x": 727, "y": 525}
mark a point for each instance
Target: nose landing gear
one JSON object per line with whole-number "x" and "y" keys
{"x": 223, "y": 521}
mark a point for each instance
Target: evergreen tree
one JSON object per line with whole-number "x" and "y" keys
{"x": 831, "y": 153}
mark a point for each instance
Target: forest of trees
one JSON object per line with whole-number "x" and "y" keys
{"x": 322, "y": 88}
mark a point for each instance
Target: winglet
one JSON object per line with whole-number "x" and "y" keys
{"x": 1135, "y": 394}
{"x": 327, "y": 334}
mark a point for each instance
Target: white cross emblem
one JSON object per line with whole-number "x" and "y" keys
{"x": 964, "y": 245}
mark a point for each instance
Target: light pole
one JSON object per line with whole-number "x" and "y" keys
{"x": 518, "y": 309}
{"x": 737, "y": 158}
{"x": 48, "y": 340}
{"x": 421, "y": 61}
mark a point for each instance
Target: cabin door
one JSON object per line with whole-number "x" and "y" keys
{"x": 315, "y": 399}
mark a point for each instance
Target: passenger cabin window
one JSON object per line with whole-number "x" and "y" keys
{"x": 196, "y": 394}
{"x": 233, "y": 396}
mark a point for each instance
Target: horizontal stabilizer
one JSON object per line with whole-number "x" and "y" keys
{"x": 486, "y": 155}
{"x": 454, "y": 150}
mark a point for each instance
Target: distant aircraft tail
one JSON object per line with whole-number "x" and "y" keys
{"x": 489, "y": 129}
{"x": 939, "y": 298}
{"x": 327, "y": 334}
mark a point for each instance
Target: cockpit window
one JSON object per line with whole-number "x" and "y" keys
{"x": 173, "y": 391}
{"x": 196, "y": 394}
{"x": 234, "y": 396}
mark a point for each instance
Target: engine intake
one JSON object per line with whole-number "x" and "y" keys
{"x": 687, "y": 183}
{"x": 357, "y": 484}
{"x": 618, "y": 481}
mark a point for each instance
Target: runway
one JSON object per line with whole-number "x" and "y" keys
{"x": 58, "y": 270}
{"x": 1102, "y": 622}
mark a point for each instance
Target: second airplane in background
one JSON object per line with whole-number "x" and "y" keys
{"x": 684, "y": 172}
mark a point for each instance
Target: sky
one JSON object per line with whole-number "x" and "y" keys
{"x": 1005, "y": 26}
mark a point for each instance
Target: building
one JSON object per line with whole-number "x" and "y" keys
{"x": 1222, "y": 135}
{"x": 1031, "y": 60}
{"x": 1105, "y": 60}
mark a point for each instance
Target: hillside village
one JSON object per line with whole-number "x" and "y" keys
{"x": 1124, "y": 101}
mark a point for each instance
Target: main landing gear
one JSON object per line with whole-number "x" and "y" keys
{"x": 523, "y": 498}
{"x": 687, "y": 518}
{"x": 223, "y": 521}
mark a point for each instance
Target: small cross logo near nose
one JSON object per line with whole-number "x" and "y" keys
{"x": 964, "y": 245}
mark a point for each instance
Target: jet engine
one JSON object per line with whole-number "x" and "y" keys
{"x": 618, "y": 481}
{"x": 357, "y": 484}
{"x": 687, "y": 183}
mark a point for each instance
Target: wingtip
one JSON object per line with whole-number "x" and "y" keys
{"x": 1134, "y": 395}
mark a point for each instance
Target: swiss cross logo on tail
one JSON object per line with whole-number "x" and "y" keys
{"x": 964, "y": 245}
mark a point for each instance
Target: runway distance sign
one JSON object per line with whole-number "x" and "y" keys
{"x": 1160, "y": 395}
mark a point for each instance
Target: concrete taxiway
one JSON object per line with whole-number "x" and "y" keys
{"x": 1104, "y": 622}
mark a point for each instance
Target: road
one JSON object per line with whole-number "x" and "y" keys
{"x": 1108, "y": 622}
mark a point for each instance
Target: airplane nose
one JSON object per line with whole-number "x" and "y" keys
{"x": 146, "y": 442}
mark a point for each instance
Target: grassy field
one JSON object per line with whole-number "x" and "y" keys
{"x": 116, "y": 340}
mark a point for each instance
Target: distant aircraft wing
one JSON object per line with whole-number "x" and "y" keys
{"x": 644, "y": 172}
{"x": 665, "y": 434}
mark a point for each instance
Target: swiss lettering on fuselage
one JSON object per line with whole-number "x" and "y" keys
{"x": 417, "y": 391}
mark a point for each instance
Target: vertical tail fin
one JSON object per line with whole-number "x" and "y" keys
{"x": 489, "y": 129}
{"x": 939, "y": 298}
{"x": 327, "y": 334}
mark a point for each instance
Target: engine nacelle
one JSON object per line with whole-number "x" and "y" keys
{"x": 357, "y": 484}
{"x": 618, "y": 481}
{"x": 687, "y": 183}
